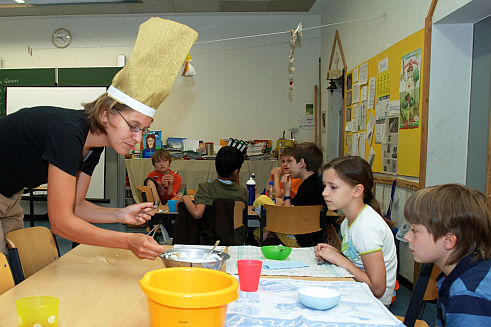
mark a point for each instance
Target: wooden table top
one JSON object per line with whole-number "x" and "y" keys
{"x": 96, "y": 286}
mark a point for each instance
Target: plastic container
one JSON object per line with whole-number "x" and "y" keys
{"x": 276, "y": 252}
{"x": 251, "y": 189}
{"x": 188, "y": 296}
{"x": 249, "y": 274}
{"x": 270, "y": 191}
{"x": 319, "y": 298}
{"x": 37, "y": 311}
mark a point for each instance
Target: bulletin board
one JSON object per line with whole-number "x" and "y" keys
{"x": 386, "y": 90}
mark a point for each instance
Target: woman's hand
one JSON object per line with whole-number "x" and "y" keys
{"x": 144, "y": 246}
{"x": 136, "y": 214}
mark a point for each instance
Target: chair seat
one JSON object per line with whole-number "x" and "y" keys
{"x": 418, "y": 323}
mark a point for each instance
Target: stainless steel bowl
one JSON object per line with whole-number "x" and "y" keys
{"x": 194, "y": 257}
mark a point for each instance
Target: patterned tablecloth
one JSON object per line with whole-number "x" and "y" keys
{"x": 276, "y": 304}
{"x": 304, "y": 255}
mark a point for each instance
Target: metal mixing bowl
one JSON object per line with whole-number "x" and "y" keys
{"x": 193, "y": 257}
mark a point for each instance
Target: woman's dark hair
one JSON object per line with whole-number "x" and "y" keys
{"x": 355, "y": 170}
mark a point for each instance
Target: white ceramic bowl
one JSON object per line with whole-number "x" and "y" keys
{"x": 319, "y": 298}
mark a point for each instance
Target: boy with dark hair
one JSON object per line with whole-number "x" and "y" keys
{"x": 450, "y": 226}
{"x": 165, "y": 182}
{"x": 304, "y": 162}
{"x": 227, "y": 163}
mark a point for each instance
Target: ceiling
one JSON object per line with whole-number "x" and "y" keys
{"x": 94, "y": 7}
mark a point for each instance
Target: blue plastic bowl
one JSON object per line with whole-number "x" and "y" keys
{"x": 319, "y": 298}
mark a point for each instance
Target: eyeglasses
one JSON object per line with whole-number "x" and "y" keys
{"x": 133, "y": 128}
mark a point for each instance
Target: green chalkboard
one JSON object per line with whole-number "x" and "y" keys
{"x": 90, "y": 76}
{"x": 24, "y": 77}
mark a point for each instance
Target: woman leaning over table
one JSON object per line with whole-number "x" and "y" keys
{"x": 61, "y": 147}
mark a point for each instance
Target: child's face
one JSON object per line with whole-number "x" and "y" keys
{"x": 293, "y": 166}
{"x": 284, "y": 164}
{"x": 337, "y": 193}
{"x": 162, "y": 165}
{"x": 424, "y": 248}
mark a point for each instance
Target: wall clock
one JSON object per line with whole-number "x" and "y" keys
{"x": 61, "y": 38}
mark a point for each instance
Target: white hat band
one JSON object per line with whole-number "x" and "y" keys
{"x": 130, "y": 102}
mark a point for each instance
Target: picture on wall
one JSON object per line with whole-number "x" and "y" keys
{"x": 409, "y": 89}
{"x": 349, "y": 81}
{"x": 151, "y": 141}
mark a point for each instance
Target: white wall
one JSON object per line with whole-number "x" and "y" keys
{"x": 241, "y": 89}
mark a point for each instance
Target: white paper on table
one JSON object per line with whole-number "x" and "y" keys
{"x": 383, "y": 65}
{"x": 355, "y": 75}
{"x": 355, "y": 98}
{"x": 394, "y": 107}
{"x": 379, "y": 132}
{"x": 276, "y": 304}
{"x": 371, "y": 92}
{"x": 370, "y": 128}
{"x": 362, "y": 145}
{"x": 364, "y": 73}
{"x": 363, "y": 93}
{"x": 190, "y": 145}
{"x": 363, "y": 115}
{"x": 305, "y": 255}
{"x": 371, "y": 156}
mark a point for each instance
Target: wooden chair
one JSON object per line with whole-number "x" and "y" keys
{"x": 240, "y": 217}
{"x": 36, "y": 248}
{"x": 146, "y": 192}
{"x": 416, "y": 303}
{"x": 6, "y": 279}
{"x": 293, "y": 220}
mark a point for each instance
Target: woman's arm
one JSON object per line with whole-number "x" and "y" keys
{"x": 65, "y": 194}
{"x": 136, "y": 214}
{"x": 374, "y": 275}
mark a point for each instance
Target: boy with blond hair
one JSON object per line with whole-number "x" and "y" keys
{"x": 450, "y": 227}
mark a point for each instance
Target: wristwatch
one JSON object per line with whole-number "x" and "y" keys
{"x": 287, "y": 197}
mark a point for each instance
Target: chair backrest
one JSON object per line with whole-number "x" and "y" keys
{"x": 292, "y": 220}
{"x": 36, "y": 247}
{"x": 146, "y": 192}
{"x": 239, "y": 214}
{"x": 6, "y": 279}
{"x": 416, "y": 303}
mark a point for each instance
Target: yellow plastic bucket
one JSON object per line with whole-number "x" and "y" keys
{"x": 188, "y": 296}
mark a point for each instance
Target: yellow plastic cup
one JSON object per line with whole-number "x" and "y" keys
{"x": 39, "y": 311}
{"x": 188, "y": 296}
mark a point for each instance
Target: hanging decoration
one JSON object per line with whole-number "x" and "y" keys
{"x": 294, "y": 42}
{"x": 188, "y": 70}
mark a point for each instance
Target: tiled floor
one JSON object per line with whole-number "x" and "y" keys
{"x": 399, "y": 307}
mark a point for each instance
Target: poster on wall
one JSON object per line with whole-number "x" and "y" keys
{"x": 391, "y": 145}
{"x": 151, "y": 141}
{"x": 409, "y": 89}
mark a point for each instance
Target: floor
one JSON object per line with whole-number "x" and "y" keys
{"x": 398, "y": 307}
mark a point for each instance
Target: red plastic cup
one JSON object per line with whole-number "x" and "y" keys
{"x": 249, "y": 274}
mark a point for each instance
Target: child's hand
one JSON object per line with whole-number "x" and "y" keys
{"x": 328, "y": 253}
{"x": 286, "y": 180}
{"x": 168, "y": 180}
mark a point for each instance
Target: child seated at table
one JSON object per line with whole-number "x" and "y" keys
{"x": 278, "y": 172}
{"x": 164, "y": 182}
{"x": 368, "y": 249}
{"x": 450, "y": 226}
{"x": 228, "y": 162}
